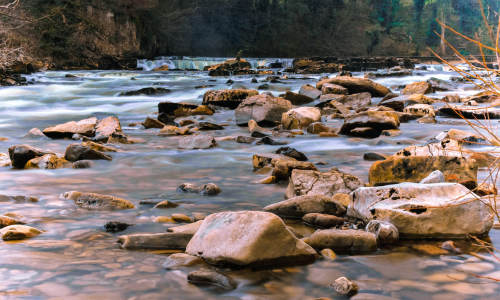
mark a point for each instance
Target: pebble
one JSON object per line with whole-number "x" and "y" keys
{"x": 181, "y": 218}
{"x": 166, "y": 204}
{"x": 268, "y": 180}
{"x": 345, "y": 287}
{"x": 163, "y": 219}
{"x": 328, "y": 254}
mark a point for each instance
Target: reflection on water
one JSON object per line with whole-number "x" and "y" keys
{"x": 75, "y": 259}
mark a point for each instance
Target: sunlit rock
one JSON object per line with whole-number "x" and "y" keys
{"x": 357, "y": 85}
{"x": 159, "y": 241}
{"x": 227, "y": 98}
{"x": 344, "y": 240}
{"x": 300, "y": 206}
{"x": 18, "y": 232}
{"x": 67, "y": 130}
{"x": 200, "y": 141}
{"x": 300, "y": 118}
{"x": 263, "y": 109}
{"x": 21, "y": 154}
{"x": 97, "y": 202}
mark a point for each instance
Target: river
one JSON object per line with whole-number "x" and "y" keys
{"x": 75, "y": 259}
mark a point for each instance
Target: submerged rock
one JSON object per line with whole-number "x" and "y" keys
{"x": 385, "y": 231}
{"x": 344, "y": 240}
{"x": 98, "y": 202}
{"x": 149, "y": 91}
{"x": 76, "y": 152}
{"x": 209, "y": 189}
{"x": 115, "y": 226}
{"x": 35, "y": 134}
{"x": 152, "y": 123}
{"x": 200, "y": 141}
{"x": 159, "y": 241}
{"x": 300, "y": 206}
{"x": 212, "y": 277}
{"x": 8, "y": 221}
{"x": 345, "y": 287}
{"x": 67, "y": 130}
{"x": 228, "y": 98}
{"x": 247, "y": 238}
{"x": 300, "y": 118}
{"x": 18, "y": 232}
{"x": 179, "y": 260}
{"x": 303, "y": 182}
{"x": 21, "y": 154}
{"x": 439, "y": 210}
{"x": 18, "y": 199}
{"x": 414, "y": 169}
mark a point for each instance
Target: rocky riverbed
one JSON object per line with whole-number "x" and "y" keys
{"x": 178, "y": 185}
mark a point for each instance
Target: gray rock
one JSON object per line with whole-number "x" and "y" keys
{"x": 435, "y": 177}
{"x": 35, "y": 134}
{"x": 439, "y": 210}
{"x": 344, "y": 240}
{"x": 371, "y": 156}
{"x": 159, "y": 241}
{"x": 297, "y": 99}
{"x": 83, "y": 164}
{"x": 21, "y": 154}
{"x": 179, "y": 260}
{"x": 247, "y": 238}
{"x": 300, "y": 206}
{"x": 76, "y": 152}
{"x": 303, "y": 182}
{"x": 300, "y": 118}
{"x": 310, "y": 91}
{"x": 262, "y": 160}
{"x": 200, "y": 141}
{"x": 212, "y": 277}
{"x": 345, "y": 287}
{"x": 385, "y": 231}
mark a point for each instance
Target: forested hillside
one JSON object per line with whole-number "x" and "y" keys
{"x": 261, "y": 28}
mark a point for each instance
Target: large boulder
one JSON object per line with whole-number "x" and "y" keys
{"x": 227, "y": 98}
{"x": 200, "y": 141}
{"x": 303, "y": 182}
{"x": 21, "y": 154}
{"x": 76, "y": 152}
{"x": 67, "y": 130}
{"x": 263, "y": 109}
{"x": 421, "y": 87}
{"x": 378, "y": 120}
{"x": 106, "y": 127}
{"x": 300, "y": 118}
{"x": 397, "y": 169}
{"x": 439, "y": 210}
{"x": 181, "y": 109}
{"x": 300, "y": 206}
{"x": 97, "y": 202}
{"x": 357, "y": 85}
{"x": 247, "y": 238}
{"x": 344, "y": 240}
{"x": 310, "y": 91}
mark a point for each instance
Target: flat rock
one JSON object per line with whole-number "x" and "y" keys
{"x": 357, "y": 85}
{"x": 97, "y": 202}
{"x": 465, "y": 137}
{"x": 8, "y": 221}
{"x": 247, "y": 238}
{"x": 439, "y": 210}
{"x": 227, "y": 98}
{"x": 310, "y": 91}
{"x": 179, "y": 260}
{"x": 159, "y": 241}
{"x": 330, "y": 88}
{"x": 106, "y": 127}
{"x": 48, "y": 162}
{"x": 421, "y": 87}
{"x": 323, "y": 220}
{"x": 468, "y": 112}
{"x": 356, "y": 100}
{"x": 209, "y": 189}
{"x": 414, "y": 169}
{"x": 189, "y": 229}
{"x": 300, "y": 206}
{"x": 152, "y": 123}
{"x": 297, "y": 99}
{"x": 200, "y": 141}
{"x": 344, "y": 240}
{"x": 181, "y": 109}
{"x": 303, "y": 182}
{"x": 262, "y": 160}
{"x": 378, "y": 120}
{"x": 420, "y": 110}
{"x": 18, "y": 199}
{"x": 149, "y": 91}
{"x": 434, "y": 177}
{"x": 293, "y": 153}
{"x": 18, "y": 232}
{"x": 212, "y": 277}
{"x": 67, "y": 130}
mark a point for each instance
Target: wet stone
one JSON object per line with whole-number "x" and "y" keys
{"x": 209, "y": 189}
{"x": 166, "y": 204}
{"x": 76, "y": 152}
{"x": 116, "y": 226}
{"x": 21, "y": 154}
{"x": 18, "y": 232}
{"x": 179, "y": 260}
{"x": 345, "y": 287}
{"x": 83, "y": 164}
{"x": 180, "y": 218}
{"x": 328, "y": 254}
{"x": 323, "y": 220}
{"x": 291, "y": 152}
{"x": 385, "y": 231}
{"x": 212, "y": 277}
{"x": 8, "y": 221}
{"x": 18, "y": 199}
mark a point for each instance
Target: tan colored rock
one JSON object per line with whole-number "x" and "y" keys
{"x": 100, "y": 147}
{"x": 421, "y": 87}
{"x": 262, "y": 160}
{"x": 342, "y": 199}
{"x": 169, "y": 130}
{"x": 323, "y": 220}
{"x": 67, "y": 130}
{"x": 247, "y": 238}
{"x": 263, "y": 109}
{"x": 310, "y": 91}
{"x": 328, "y": 254}
{"x": 378, "y": 120}
{"x": 159, "y": 241}
{"x": 283, "y": 168}
{"x": 98, "y": 202}
{"x": 152, "y": 123}
{"x": 268, "y": 180}
{"x": 49, "y": 162}
{"x": 228, "y": 98}
{"x": 420, "y": 110}
{"x": 357, "y": 85}
{"x": 318, "y": 127}
{"x": 397, "y": 169}
{"x": 4, "y": 160}
{"x": 344, "y": 240}
{"x": 328, "y": 134}
{"x": 180, "y": 218}
{"x": 8, "y": 221}
{"x": 329, "y": 88}
{"x": 200, "y": 141}
{"x": 300, "y": 118}
{"x": 106, "y": 127}
{"x": 161, "y": 69}
{"x": 162, "y": 219}
{"x": 18, "y": 232}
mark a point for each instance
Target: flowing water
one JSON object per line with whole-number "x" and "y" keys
{"x": 75, "y": 259}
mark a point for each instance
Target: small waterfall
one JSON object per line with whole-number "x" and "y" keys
{"x": 198, "y": 63}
